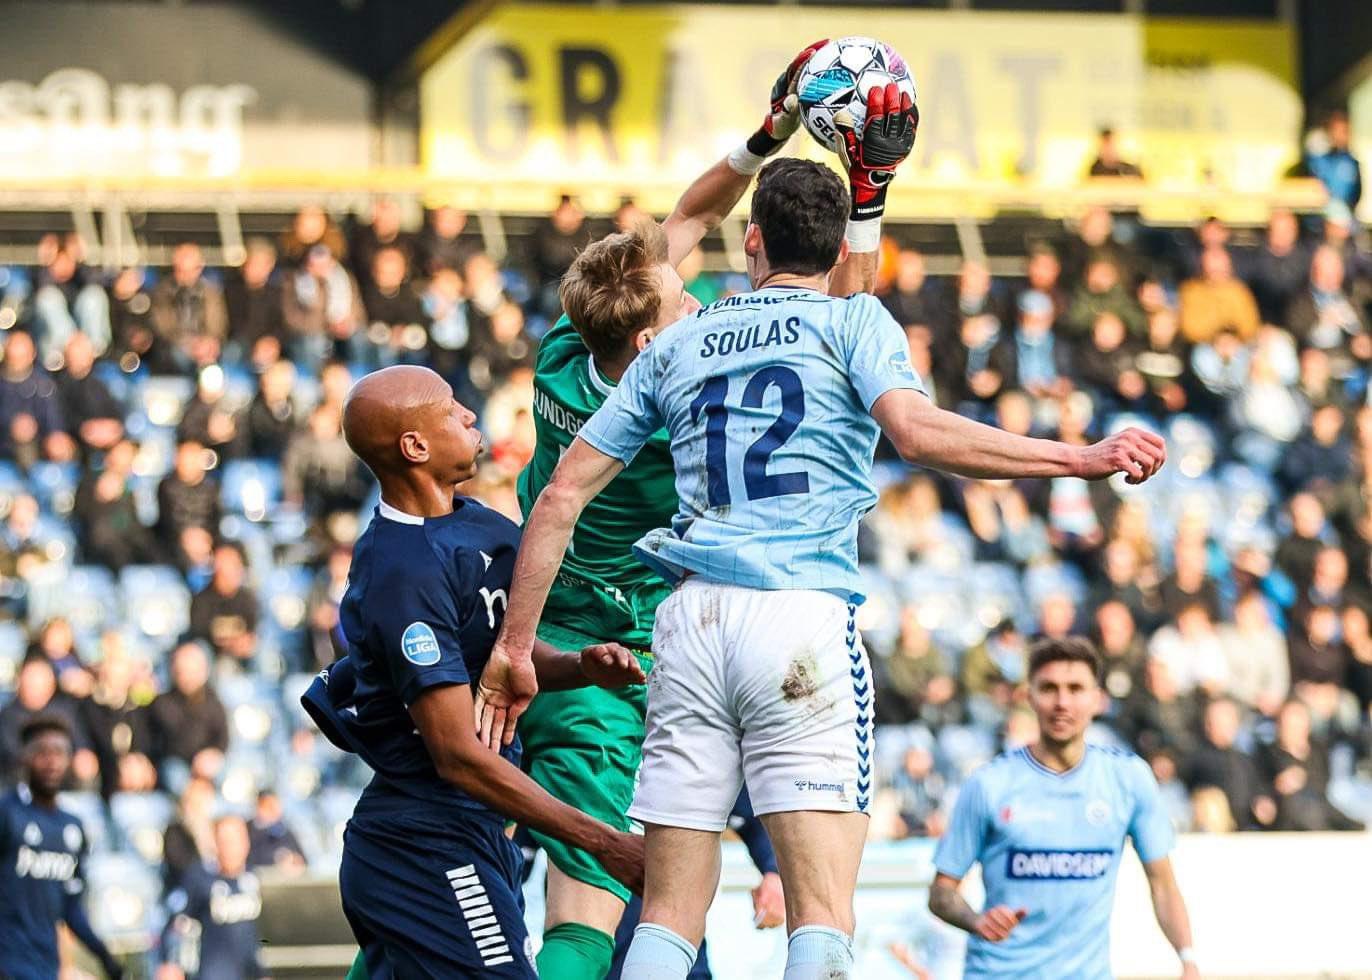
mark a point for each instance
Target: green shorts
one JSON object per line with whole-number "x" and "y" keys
{"x": 584, "y": 747}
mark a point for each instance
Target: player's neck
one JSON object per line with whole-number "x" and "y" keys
{"x": 1059, "y": 756}
{"x": 613, "y": 371}
{"x": 793, "y": 280}
{"x": 417, "y": 498}
{"x": 41, "y": 799}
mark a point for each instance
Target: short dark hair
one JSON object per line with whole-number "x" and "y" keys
{"x": 40, "y": 725}
{"x": 1071, "y": 649}
{"x": 801, "y": 208}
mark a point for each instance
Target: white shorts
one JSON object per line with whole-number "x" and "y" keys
{"x": 771, "y": 688}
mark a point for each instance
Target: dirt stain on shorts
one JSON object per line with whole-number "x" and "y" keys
{"x": 802, "y": 679}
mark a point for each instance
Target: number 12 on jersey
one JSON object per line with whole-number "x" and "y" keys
{"x": 757, "y": 482}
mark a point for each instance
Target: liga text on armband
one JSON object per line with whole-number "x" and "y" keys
{"x": 1059, "y": 865}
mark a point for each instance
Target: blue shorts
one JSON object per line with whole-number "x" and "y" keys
{"x": 425, "y": 902}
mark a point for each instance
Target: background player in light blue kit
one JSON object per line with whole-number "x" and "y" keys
{"x": 1047, "y": 822}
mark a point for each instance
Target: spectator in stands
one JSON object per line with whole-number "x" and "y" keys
{"x": 111, "y": 532}
{"x": 976, "y": 366}
{"x": 68, "y": 299}
{"x": 311, "y": 227}
{"x": 1329, "y": 158}
{"x": 188, "y": 840}
{"x": 443, "y": 243}
{"x": 208, "y": 420}
{"x": 992, "y": 670}
{"x": 1190, "y": 647}
{"x": 555, "y": 245}
{"x": 1216, "y": 302}
{"x": 1043, "y": 272}
{"x": 1121, "y": 649}
{"x": 905, "y": 524}
{"x": 445, "y": 309}
{"x": 32, "y": 426}
{"x": 36, "y": 693}
{"x": 1159, "y": 715}
{"x": 485, "y": 289}
{"x": 326, "y": 594}
{"x": 56, "y": 642}
{"x": 498, "y": 347}
{"x": 1005, "y": 528}
{"x": 910, "y": 299}
{"x": 1329, "y": 583}
{"x": 323, "y": 309}
{"x": 188, "y": 510}
{"x": 1323, "y": 316}
{"x": 1219, "y": 763}
{"x": 1108, "y": 162}
{"x": 272, "y": 843}
{"x": 225, "y": 612}
{"x": 1093, "y": 239}
{"x": 1317, "y": 385}
{"x": 1164, "y": 362}
{"x": 1057, "y": 616}
{"x": 1357, "y": 637}
{"x": 1211, "y": 234}
{"x": 1322, "y": 457}
{"x": 1078, "y": 512}
{"x": 188, "y": 312}
{"x": 1106, "y": 363}
{"x": 919, "y": 790}
{"x": 1255, "y": 651}
{"x": 319, "y": 473}
{"x": 271, "y": 419}
{"x": 1297, "y": 551}
{"x": 1297, "y": 765}
{"x": 116, "y": 717}
{"x": 1277, "y": 271}
{"x": 188, "y": 724}
{"x": 395, "y": 311}
{"x": 1042, "y": 364}
{"x": 1318, "y": 657}
{"x": 88, "y": 408}
{"x": 1126, "y": 580}
{"x": 629, "y": 215}
{"x": 977, "y": 295}
{"x": 132, "y": 335}
{"x": 25, "y": 544}
{"x": 1101, "y": 291}
{"x": 914, "y": 680}
{"x": 1189, "y": 581}
{"x": 383, "y": 232}
{"x": 252, "y": 296}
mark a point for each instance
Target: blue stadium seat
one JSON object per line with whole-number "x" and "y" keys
{"x": 285, "y": 593}
{"x": 12, "y": 484}
{"x": 123, "y": 898}
{"x": 251, "y": 487}
{"x": 163, "y": 398}
{"x": 141, "y": 819}
{"x": 89, "y": 808}
{"x": 253, "y": 708}
{"x": 962, "y": 748}
{"x": 119, "y": 383}
{"x": 85, "y": 594}
{"x": 1042, "y": 581}
{"x": 995, "y": 593}
{"x": 247, "y": 771}
{"x": 940, "y": 601}
{"x": 54, "y": 486}
{"x": 157, "y": 452}
{"x": 156, "y": 602}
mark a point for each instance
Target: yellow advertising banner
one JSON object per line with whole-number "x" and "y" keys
{"x": 639, "y": 100}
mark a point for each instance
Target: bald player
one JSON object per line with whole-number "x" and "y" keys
{"x": 430, "y": 883}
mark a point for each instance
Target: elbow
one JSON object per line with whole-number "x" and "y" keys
{"x": 562, "y": 499}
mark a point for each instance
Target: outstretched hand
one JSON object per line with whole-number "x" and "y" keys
{"x": 503, "y": 694}
{"x": 611, "y": 665}
{"x": 1134, "y": 452}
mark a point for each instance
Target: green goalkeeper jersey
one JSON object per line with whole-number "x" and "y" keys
{"x": 602, "y": 590}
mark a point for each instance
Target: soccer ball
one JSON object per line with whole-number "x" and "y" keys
{"x": 837, "y": 79}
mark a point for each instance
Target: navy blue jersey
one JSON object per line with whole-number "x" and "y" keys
{"x": 41, "y": 884}
{"x": 212, "y": 933}
{"x": 425, "y": 600}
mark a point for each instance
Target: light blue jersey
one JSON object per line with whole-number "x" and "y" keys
{"x": 1051, "y": 843}
{"x": 766, "y": 397}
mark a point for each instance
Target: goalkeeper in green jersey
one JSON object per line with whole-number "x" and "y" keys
{"x": 584, "y": 746}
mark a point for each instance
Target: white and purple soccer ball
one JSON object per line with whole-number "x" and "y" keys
{"x": 837, "y": 79}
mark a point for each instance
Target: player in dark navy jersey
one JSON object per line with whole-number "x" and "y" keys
{"x": 430, "y": 882}
{"x": 42, "y": 850}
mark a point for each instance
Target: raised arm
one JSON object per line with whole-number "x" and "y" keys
{"x": 927, "y": 435}
{"x": 1170, "y": 909}
{"x": 509, "y": 682}
{"x": 708, "y": 200}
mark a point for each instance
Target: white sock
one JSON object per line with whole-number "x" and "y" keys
{"x": 657, "y": 953}
{"x": 818, "y": 953}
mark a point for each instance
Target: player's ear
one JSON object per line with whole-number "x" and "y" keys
{"x": 752, "y": 240}
{"x": 414, "y": 448}
{"x": 843, "y": 251}
{"x": 643, "y": 338}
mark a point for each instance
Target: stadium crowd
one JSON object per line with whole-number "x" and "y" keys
{"x": 177, "y": 506}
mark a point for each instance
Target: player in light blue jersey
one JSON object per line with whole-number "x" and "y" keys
{"x": 1047, "y": 823}
{"x": 773, "y": 402}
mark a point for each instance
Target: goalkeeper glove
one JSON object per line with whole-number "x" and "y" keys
{"x": 871, "y": 157}
{"x": 781, "y": 121}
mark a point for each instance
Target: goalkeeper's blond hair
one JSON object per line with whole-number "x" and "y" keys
{"x": 614, "y": 289}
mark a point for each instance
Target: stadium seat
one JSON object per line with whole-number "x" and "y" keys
{"x": 251, "y": 704}
{"x": 962, "y": 748}
{"x": 995, "y": 593}
{"x": 54, "y": 486}
{"x": 124, "y": 893}
{"x": 89, "y": 808}
{"x": 1055, "y": 578}
{"x": 14, "y": 642}
{"x": 162, "y": 399}
{"x": 85, "y": 594}
{"x": 251, "y": 487}
{"x": 156, "y": 602}
{"x": 141, "y": 820}
{"x": 247, "y": 770}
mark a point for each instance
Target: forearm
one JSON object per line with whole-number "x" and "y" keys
{"x": 946, "y": 441}
{"x": 703, "y": 206}
{"x": 557, "y": 670}
{"x": 544, "y": 542}
{"x": 857, "y": 274}
{"x": 1170, "y": 909}
{"x": 75, "y": 916}
{"x": 489, "y": 779}
{"x": 948, "y": 904}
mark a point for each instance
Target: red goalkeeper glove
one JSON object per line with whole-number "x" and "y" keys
{"x": 871, "y": 157}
